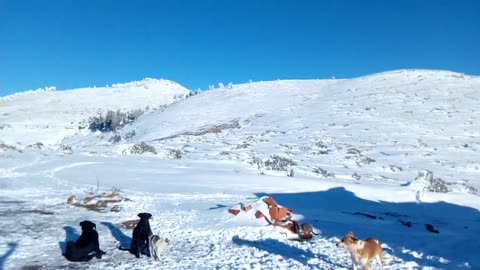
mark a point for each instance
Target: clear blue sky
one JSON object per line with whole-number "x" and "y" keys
{"x": 68, "y": 44}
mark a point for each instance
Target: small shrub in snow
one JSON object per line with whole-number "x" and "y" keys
{"x": 322, "y": 149}
{"x": 275, "y": 163}
{"x": 115, "y": 138}
{"x": 324, "y": 172}
{"x": 140, "y": 148}
{"x": 243, "y": 145}
{"x": 129, "y": 134}
{"x": 65, "y": 149}
{"x": 6, "y": 147}
{"x": 367, "y": 160}
{"x": 4, "y": 126}
{"x": 395, "y": 168}
{"x": 470, "y": 189}
{"x": 174, "y": 154}
{"x": 354, "y": 151}
{"x": 37, "y": 145}
{"x": 434, "y": 184}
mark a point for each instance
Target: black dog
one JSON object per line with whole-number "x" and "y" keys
{"x": 85, "y": 244}
{"x": 140, "y": 236}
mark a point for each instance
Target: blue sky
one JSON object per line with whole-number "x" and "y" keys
{"x": 71, "y": 44}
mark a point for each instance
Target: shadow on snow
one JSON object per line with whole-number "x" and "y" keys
{"x": 70, "y": 235}
{"x": 337, "y": 211}
{"x": 124, "y": 240}
{"x": 11, "y": 248}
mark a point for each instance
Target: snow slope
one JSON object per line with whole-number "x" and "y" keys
{"x": 359, "y": 150}
{"x": 49, "y": 116}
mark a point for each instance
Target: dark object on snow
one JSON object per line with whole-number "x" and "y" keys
{"x": 406, "y": 223}
{"x": 140, "y": 236}
{"x": 367, "y": 215}
{"x": 430, "y": 228}
{"x": 81, "y": 250}
{"x": 394, "y": 214}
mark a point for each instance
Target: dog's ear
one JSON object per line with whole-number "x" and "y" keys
{"x": 82, "y": 223}
{"x": 350, "y": 233}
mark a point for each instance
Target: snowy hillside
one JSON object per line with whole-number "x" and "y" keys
{"x": 394, "y": 155}
{"x": 49, "y": 116}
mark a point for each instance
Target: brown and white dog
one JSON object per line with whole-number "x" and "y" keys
{"x": 362, "y": 251}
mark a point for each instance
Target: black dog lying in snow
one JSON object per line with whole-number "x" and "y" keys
{"x": 85, "y": 244}
{"x": 140, "y": 236}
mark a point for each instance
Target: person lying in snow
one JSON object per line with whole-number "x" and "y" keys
{"x": 267, "y": 208}
{"x": 275, "y": 215}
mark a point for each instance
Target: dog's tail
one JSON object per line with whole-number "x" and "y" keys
{"x": 123, "y": 248}
{"x": 315, "y": 233}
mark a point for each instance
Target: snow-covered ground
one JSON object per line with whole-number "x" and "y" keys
{"x": 363, "y": 152}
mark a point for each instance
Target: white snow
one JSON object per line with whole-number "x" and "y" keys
{"x": 356, "y": 148}
{"x": 59, "y": 113}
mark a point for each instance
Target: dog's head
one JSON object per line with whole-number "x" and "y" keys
{"x": 347, "y": 241}
{"x": 145, "y": 216}
{"x": 87, "y": 225}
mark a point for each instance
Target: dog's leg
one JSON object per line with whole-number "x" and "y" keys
{"x": 138, "y": 251}
{"x": 367, "y": 266}
{"x": 98, "y": 251}
{"x": 354, "y": 262}
{"x": 380, "y": 261}
{"x": 148, "y": 254}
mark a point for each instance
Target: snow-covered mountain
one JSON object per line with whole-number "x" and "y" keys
{"x": 383, "y": 155}
{"x": 49, "y": 116}
{"x": 390, "y": 124}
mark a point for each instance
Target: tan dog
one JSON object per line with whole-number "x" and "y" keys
{"x": 362, "y": 251}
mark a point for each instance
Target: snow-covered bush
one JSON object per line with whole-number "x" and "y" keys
{"x": 432, "y": 184}
{"x": 275, "y": 163}
{"x": 129, "y": 134}
{"x": 174, "y": 154}
{"x": 278, "y": 163}
{"x": 6, "y": 147}
{"x": 324, "y": 172}
{"x": 140, "y": 148}
{"x": 115, "y": 138}
{"x": 112, "y": 121}
{"x": 37, "y": 145}
{"x": 66, "y": 149}
{"x": 437, "y": 184}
